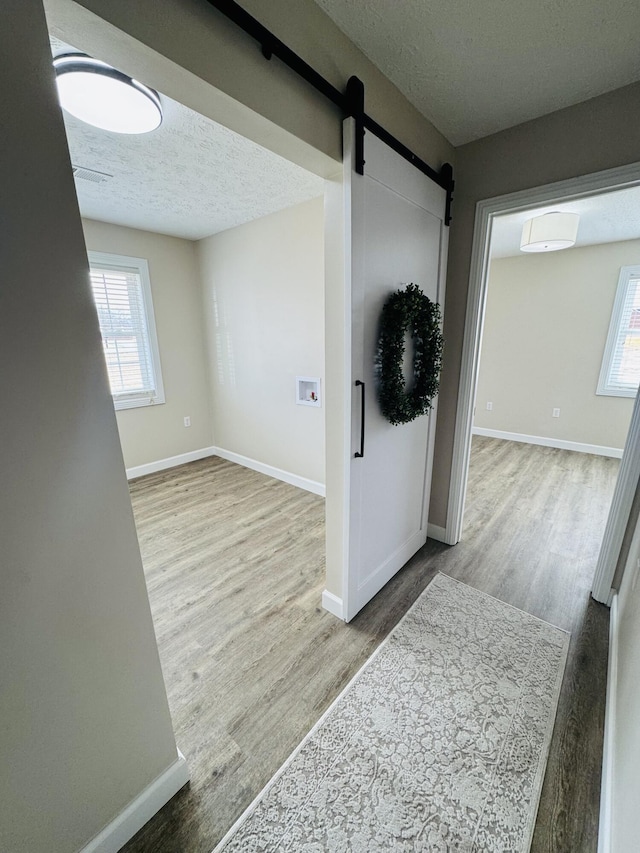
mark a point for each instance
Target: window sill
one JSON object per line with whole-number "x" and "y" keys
{"x": 616, "y": 392}
{"x": 138, "y": 403}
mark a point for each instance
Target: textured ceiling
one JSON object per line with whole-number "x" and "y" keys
{"x": 190, "y": 178}
{"x": 605, "y": 218}
{"x": 474, "y": 67}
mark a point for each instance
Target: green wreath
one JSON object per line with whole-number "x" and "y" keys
{"x": 411, "y": 311}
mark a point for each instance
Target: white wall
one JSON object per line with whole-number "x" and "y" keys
{"x": 151, "y": 433}
{"x": 85, "y": 721}
{"x": 546, "y": 324}
{"x": 264, "y": 306}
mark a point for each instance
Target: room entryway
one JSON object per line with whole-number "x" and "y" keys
{"x": 206, "y": 256}
{"x": 605, "y": 236}
{"x": 558, "y": 364}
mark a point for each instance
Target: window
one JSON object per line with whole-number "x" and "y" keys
{"x": 122, "y": 293}
{"x": 620, "y": 373}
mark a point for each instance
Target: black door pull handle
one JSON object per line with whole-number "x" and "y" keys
{"x": 361, "y": 454}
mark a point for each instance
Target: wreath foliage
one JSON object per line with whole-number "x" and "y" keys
{"x": 408, "y": 310}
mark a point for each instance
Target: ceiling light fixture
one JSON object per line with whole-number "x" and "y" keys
{"x": 549, "y": 232}
{"x": 102, "y": 96}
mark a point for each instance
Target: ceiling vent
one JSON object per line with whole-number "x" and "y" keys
{"x": 84, "y": 174}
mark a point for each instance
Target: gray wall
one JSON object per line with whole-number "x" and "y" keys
{"x": 85, "y": 721}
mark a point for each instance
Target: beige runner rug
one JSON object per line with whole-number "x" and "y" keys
{"x": 439, "y": 743}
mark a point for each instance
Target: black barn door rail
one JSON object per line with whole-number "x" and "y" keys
{"x": 351, "y": 103}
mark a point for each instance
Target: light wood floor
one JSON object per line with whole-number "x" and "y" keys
{"x": 235, "y": 568}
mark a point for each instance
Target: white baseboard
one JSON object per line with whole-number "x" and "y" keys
{"x": 270, "y": 471}
{"x": 170, "y": 462}
{"x": 561, "y": 444}
{"x": 333, "y": 604}
{"x": 245, "y": 461}
{"x": 437, "y": 533}
{"x": 122, "y": 828}
{"x": 606, "y": 787}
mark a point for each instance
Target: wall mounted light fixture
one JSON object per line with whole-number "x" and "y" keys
{"x": 102, "y": 96}
{"x": 549, "y": 232}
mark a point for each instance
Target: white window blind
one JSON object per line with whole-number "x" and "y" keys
{"x": 125, "y": 314}
{"x": 620, "y": 374}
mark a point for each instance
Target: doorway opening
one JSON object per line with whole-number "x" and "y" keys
{"x": 496, "y": 218}
{"x": 206, "y": 253}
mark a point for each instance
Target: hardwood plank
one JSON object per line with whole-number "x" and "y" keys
{"x": 235, "y": 569}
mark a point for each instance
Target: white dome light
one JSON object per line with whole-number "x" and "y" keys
{"x": 549, "y": 232}
{"x": 102, "y": 96}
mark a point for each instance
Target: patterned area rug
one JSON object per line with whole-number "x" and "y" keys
{"x": 439, "y": 743}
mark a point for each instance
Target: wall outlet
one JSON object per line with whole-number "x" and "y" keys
{"x": 489, "y": 407}
{"x": 187, "y": 421}
{"x": 556, "y": 413}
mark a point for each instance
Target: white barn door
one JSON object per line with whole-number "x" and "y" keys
{"x": 395, "y": 235}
